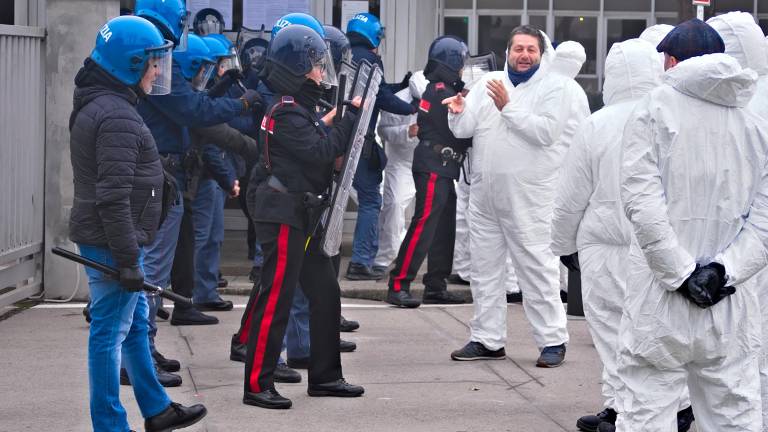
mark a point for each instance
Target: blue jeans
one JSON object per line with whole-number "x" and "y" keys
{"x": 258, "y": 256}
{"x": 367, "y": 182}
{"x": 296, "y": 340}
{"x": 159, "y": 260}
{"x": 208, "y": 220}
{"x": 118, "y": 332}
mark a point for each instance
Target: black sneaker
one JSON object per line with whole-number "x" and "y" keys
{"x": 456, "y": 280}
{"x": 223, "y": 283}
{"x": 191, "y": 316}
{"x": 477, "y": 351}
{"x": 166, "y": 379}
{"x": 685, "y": 419}
{"x": 284, "y": 374}
{"x": 255, "y": 274}
{"x": 269, "y": 399}
{"x": 515, "y": 297}
{"x": 402, "y": 299}
{"x": 590, "y": 423}
{"x": 346, "y": 346}
{"x": 338, "y": 388}
{"x": 162, "y": 313}
{"x": 347, "y": 326}
{"x": 87, "y": 312}
{"x": 606, "y": 427}
{"x": 358, "y": 272}
{"x": 219, "y": 305}
{"x": 176, "y": 416}
{"x": 380, "y": 269}
{"x": 551, "y": 357}
{"x": 166, "y": 364}
{"x": 442, "y": 297}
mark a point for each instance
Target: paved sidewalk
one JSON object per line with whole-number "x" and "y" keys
{"x": 402, "y": 360}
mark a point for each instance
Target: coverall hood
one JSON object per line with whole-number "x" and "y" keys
{"x": 632, "y": 69}
{"x": 715, "y": 78}
{"x": 743, "y": 39}
{"x": 417, "y": 84}
{"x": 570, "y": 57}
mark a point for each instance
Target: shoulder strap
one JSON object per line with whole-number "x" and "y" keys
{"x": 268, "y": 126}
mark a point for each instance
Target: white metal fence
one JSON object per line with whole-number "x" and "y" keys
{"x": 22, "y": 161}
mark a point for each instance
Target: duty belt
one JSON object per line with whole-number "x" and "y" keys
{"x": 446, "y": 153}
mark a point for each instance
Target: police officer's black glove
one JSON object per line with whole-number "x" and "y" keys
{"x": 571, "y": 262}
{"x": 705, "y": 287}
{"x": 234, "y": 75}
{"x": 131, "y": 278}
{"x": 251, "y": 100}
{"x": 406, "y": 80}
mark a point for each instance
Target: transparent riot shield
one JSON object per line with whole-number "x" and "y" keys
{"x": 477, "y": 66}
{"x": 366, "y": 85}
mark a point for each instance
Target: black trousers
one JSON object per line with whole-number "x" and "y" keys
{"x": 183, "y": 270}
{"x": 432, "y": 232}
{"x": 286, "y": 263}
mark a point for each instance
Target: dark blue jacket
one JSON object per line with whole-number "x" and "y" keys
{"x": 169, "y": 116}
{"x": 218, "y": 166}
{"x": 385, "y": 98}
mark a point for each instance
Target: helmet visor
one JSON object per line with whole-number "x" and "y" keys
{"x": 204, "y": 74}
{"x": 323, "y": 63}
{"x": 251, "y": 46}
{"x": 232, "y": 61}
{"x": 183, "y": 44}
{"x": 157, "y": 73}
{"x": 209, "y": 25}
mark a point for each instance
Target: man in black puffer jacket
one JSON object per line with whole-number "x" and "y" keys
{"x": 119, "y": 180}
{"x": 116, "y": 211}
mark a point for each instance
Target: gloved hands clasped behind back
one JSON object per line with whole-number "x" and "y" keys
{"x": 571, "y": 262}
{"x": 705, "y": 287}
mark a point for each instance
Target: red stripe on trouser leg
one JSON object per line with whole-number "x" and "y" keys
{"x": 269, "y": 311}
{"x": 417, "y": 232}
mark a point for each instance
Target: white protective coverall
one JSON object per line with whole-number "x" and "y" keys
{"x": 693, "y": 186}
{"x": 745, "y": 42}
{"x": 516, "y": 156}
{"x": 655, "y": 34}
{"x": 588, "y": 217}
{"x": 399, "y": 190}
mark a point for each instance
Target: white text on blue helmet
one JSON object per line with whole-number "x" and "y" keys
{"x": 105, "y": 33}
{"x": 361, "y": 17}
{"x": 282, "y": 23}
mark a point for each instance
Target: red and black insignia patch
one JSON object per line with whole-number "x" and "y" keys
{"x": 424, "y": 105}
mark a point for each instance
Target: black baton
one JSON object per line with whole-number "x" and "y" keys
{"x": 115, "y": 274}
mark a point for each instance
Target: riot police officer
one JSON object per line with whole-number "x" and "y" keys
{"x": 286, "y": 196}
{"x": 117, "y": 206}
{"x": 436, "y": 165}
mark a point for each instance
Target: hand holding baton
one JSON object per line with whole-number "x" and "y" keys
{"x": 115, "y": 274}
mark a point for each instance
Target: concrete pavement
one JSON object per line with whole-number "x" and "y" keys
{"x": 402, "y": 360}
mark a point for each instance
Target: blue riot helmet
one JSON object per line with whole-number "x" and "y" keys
{"x": 231, "y": 60}
{"x": 449, "y": 51}
{"x": 208, "y": 21}
{"x": 300, "y": 19}
{"x": 226, "y": 58}
{"x": 196, "y": 62}
{"x": 170, "y": 16}
{"x": 368, "y": 26}
{"x": 297, "y": 50}
{"x": 341, "y": 50}
{"x": 128, "y": 46}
